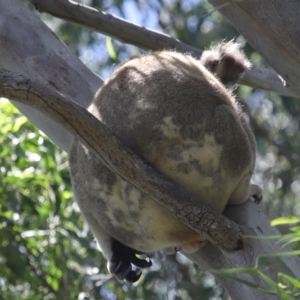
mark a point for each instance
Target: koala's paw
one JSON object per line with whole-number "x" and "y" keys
{"x": 123, "y": 258}
{"x": 256, "y": 198}
{"x": 226, "y": 61}
{"x": 255, "y": 193}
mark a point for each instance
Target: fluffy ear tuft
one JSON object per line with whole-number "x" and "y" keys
{"x": 226, "y": 61}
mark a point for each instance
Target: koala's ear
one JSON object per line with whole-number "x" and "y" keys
{"x": 227, "y": 62}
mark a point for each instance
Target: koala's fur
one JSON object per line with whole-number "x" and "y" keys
{"x": 181, "y": 119}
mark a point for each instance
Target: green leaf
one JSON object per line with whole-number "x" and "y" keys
{"x": 251, "y": 284}
{"x": 263, "y": 261}
{"x": 289, "y": 279}
{"x": 285, "y": 220}
{"x": 287, "y": 253}
{"x": 110, "y": 48}
{"x": 18, "y": 123}
{"x": 251, "y": 271}
{"x": 268, "y": 280}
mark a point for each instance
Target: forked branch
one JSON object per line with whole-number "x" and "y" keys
{"x": 91, "y": 132}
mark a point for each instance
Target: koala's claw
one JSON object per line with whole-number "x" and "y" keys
{"x": 122, "y": 270}
{"x": 255, "y": 193}
{"x": 123, "y": 258}
{"x": 141, "y": 263}
{"x": 133, "y": 276}
{"x": 256, "y": 198}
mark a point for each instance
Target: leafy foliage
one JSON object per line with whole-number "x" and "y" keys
{"x": 40, "y": 235}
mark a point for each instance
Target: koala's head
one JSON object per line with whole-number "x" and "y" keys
{"x": 226, "y": 61}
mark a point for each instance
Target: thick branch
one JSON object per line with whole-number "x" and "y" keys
{"x": 194, "y": 213}
{"x": 27, "y": 46}
{"x": 255, "y": 224}
{"x": 133, "y": 34}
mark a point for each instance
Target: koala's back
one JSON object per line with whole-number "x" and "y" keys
{"x": 175, "y": 114}
{"x": 178, "y": 117}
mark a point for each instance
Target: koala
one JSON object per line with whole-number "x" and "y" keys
{"x": 179, "y": 115}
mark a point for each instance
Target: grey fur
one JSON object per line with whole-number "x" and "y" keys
{"x": 182, "y": 120}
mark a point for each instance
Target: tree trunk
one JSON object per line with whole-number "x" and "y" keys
{"x": 272, "y": 29}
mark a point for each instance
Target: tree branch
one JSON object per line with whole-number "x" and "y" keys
{"x": 27, "y": 46}
{"x": 133, "y": 34}
{"x": 255, "y": 224}
{"x": 217, "y": 228}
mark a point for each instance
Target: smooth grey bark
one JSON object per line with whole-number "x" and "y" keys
{"x": 272, "y": 29}
{"x": 48, "y": 61}
{"x": 27, "y": 46}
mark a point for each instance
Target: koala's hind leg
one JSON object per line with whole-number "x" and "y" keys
{"x": 120, "y": 257}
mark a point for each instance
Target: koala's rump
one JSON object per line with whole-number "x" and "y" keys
{"x": 179, "y": 118}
